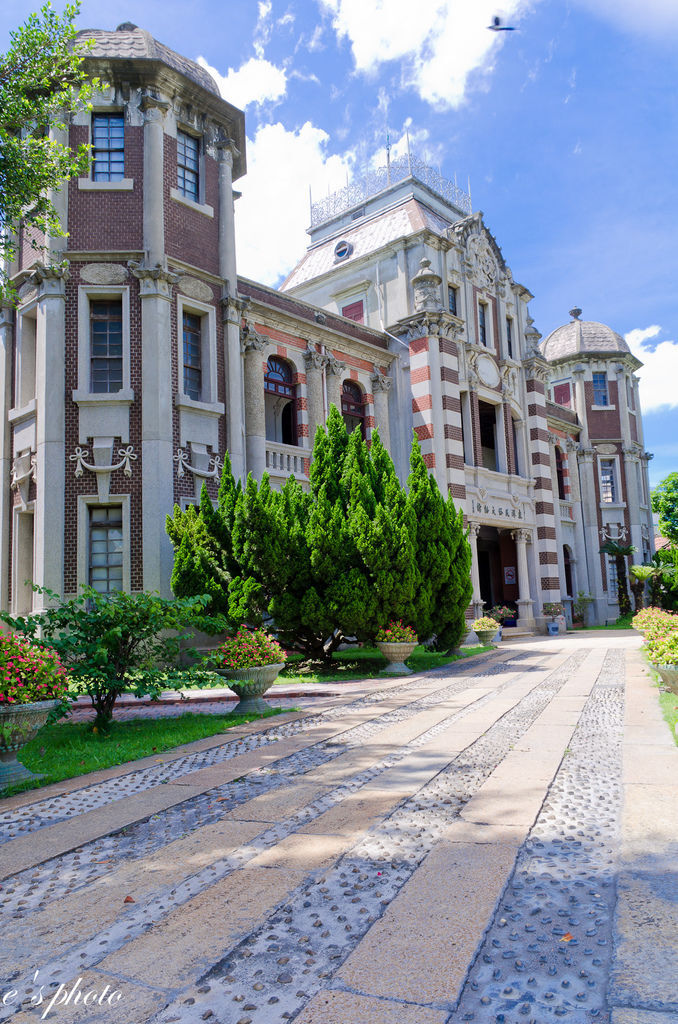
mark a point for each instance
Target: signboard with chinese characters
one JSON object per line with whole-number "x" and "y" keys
{"x": 494, "y": 508}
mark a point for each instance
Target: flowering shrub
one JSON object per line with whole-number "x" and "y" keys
{"x": 553, "y": 609}
{"x": 663, "y": 650}
{"x": 500, "y": 612}
{"x": 397, "y": 633}
{"x": 29, "y": 673}
{"x": 247, "y": 649}
{"x": 484, "y": 624}
{"x": 655, "y": 622}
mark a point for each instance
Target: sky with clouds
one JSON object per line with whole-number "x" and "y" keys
{"x": 566, "y": 128}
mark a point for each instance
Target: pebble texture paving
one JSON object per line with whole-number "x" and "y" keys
{"x": 250, "y": 901}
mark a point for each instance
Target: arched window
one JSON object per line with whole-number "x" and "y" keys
{"x": 280, "y": 395}
{"x": 353, "y": 406}
{"x": 560, "y": 474}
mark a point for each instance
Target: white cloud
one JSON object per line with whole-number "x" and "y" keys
{"x": 273, "y": 212}
{"x": 659, "y": 372}
{"x": 647, "y": 17}
{"x": 255, "y": 81}
{"x": 442, "y": 46}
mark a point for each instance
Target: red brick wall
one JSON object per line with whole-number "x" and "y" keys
{"x": 603, "y": 423}
{"x": 190, "y": 235}
{"x": 109, "y": 220}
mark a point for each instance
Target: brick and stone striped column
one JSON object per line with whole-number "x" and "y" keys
{"x": 536, "y": 373}
{"x": 451, "y": 408}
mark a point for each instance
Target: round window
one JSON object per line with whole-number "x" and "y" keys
{"x": 342, "y": 250}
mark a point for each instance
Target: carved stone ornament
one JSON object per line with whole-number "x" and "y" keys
{"x": 103, "y": 273}
{"x": 27, "y": 292}
{"x": 103, "y": 466}
{"x": 606, "y": 449}
{"x": 486, "y": 368}
{"x": 335, "y": 366}
{"x": 482, "y": 262}
{"x": 429, "y": 325}
{"x": 251, "y": 340}
{"x": 23, "y": 471}
{"x": 380, "y": 382}
{"x": 195, "y": 289}
{"x": 314, "y": 360}
{"x": 509, "y": 381}
{"x": 426, "y": 284}
{"x": 613, "y": 531}
{"x": 210, "y": 471}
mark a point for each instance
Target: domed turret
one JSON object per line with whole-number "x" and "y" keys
{"x": 582, "y": 337}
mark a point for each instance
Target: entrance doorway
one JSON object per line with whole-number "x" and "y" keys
{"x": 497, "y": 568}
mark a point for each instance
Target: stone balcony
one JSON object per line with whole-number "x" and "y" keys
{"x": 283, "y": 460}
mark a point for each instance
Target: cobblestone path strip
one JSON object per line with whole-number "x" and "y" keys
{"x": 396, "y": 846}
{"x": 60, "y": 808}
{"x": 546, "y": 955}
{"x": 66, "y": 874}
{"x": 274, "y": 972}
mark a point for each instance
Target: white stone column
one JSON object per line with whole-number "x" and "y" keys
{"x": 525, "y": 604}
{"x": 154, "y": 110}
{"x": 235, "y": 414}
{"x": 6, "y": 335}
{"x": 335, "y": 378}
{"x": 157, "y": 440}
{"x": 381, "y": 386}
{"x": 255, "y": 411}
{"x": 631, "y": 463}
{"x": 580, "y": 403}
{"x": 315, "y": 363}
{"x": 476, "y": 599}
{"x": 50, "y": 474}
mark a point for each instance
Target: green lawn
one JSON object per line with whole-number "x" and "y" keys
{"x": 623, "y": 622}
{"x": 668, "y": 702}
{"x": 67, "y": 749}
{"x": 364, "y": 662}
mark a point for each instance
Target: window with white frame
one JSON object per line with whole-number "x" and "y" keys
{"x": 105, "y": 359}
{"x": 600, "y": 392}
{"x": 105, "y": 562}
{"x": 188, "y": 166}
{"x": 612, "y": 576}
{"x": 197, "y": 351}
{"x": 452, "y": 299}
{"x": 482, "y": 323}
{"x": 108, "y": 147}
{"x": 103, "y": 342}
{"x": 509, "y": 337}
{"x": 608, "y": 481}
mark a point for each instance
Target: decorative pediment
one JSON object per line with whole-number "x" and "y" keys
{"x": 483, "y": 258}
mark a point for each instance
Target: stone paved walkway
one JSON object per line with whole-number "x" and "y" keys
{"x": 495, "y": 843}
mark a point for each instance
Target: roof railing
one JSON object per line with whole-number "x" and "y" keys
{"x": 372, "y": 182}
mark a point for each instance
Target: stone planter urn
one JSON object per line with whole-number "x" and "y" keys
{"x": 397, "y": 654}
{"x": 486, "y": 636}
{"x": 669, "y": 676}
{"x": 250, "y": 684}
{"x": 19, "y": 723}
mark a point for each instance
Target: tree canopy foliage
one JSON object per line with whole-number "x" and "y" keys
{"x": 42, "y": 80}
{"x": 335, "y": 562}
{"x": 665, "y": 502}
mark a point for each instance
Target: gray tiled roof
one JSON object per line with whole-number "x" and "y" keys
{"x": 582, "y": 336}
{"x": 133, "y": 43}
{"x": 367, "y": 236}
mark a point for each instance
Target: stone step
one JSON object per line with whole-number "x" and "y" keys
{"x": 515, "y": 633}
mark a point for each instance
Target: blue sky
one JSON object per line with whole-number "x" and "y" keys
{"x": 566, "y": 127}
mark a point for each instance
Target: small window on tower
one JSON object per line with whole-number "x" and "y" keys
{"x": 354, "y": 311}
{"x": 108, "y": 147}
{"x": 452, "y": 299}
{"x": 188, "y": 165}
{"x": 509, "y": 337}
{"x": 600, "y": 395}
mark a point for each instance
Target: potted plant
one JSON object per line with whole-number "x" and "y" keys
{"x": 396, "y": 642}
{"x": 33, "y": 683}
{"x": 663, "y": 654}
{"x": 553, "y": 609}
{"x": 250, "y": 661}
{"x": 485, "y": 629}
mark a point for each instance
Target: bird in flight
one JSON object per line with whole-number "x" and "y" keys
{"x": 497, "y": 26}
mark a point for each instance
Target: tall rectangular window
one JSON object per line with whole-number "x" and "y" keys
{"x": 105, "y": 346}
{"x": 600, "y": 396}
{"x": 509, "y": 337}
{"x": 611, "y": 576}
{"x": 105, "y": 548}
{"x": 188, "y": 165}
{"x": 108, "y": 147}
{"x": 608, "y": 484}
{"x": 192, "y": 356}
{"x": 482, "y": 323}
{"x": 452, "y": 299}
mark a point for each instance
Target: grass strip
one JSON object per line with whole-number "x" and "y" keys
{"x": 365, "y": 663}
{"x": 68, "y": 749}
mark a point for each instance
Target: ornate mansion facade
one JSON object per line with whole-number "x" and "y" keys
{"x": 137, "y": 357}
